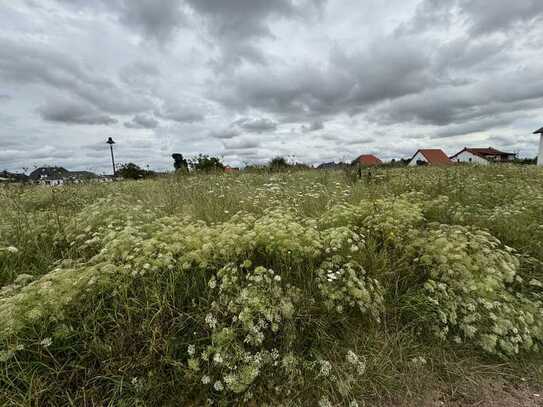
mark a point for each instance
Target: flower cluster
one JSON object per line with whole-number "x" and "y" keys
{"x": 472, "y": 291}
{"x": 345, "y": 284}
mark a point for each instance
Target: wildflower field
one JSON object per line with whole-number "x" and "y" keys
{"x": 295, "y": 288}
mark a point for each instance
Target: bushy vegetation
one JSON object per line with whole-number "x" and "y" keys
{"x": 133, "y": 171}
{"x": 295, "y": 288}
{"x": 206, "y": 163}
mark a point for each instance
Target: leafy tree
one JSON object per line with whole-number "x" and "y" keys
{"x": 278, "y": 163}
{"x": 180, "y": 163}
{"x": 132, "y": 171}
{"x": 206, "y": 163}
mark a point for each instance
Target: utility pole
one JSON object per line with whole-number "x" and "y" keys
{"x": 111, "y": 142}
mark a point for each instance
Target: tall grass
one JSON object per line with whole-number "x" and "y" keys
{"x": 293, "y": 288}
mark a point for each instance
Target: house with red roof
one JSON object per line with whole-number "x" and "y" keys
{"x": 367, "y": 160}
{"x": 429, "y": 156}
{"x": 482, "y": 156}
{"x": 230, "y": 170}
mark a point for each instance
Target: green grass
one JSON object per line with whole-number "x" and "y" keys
{"x": 107, "y": 287}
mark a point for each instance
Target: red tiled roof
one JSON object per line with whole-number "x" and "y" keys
{"x": 368, "y": 160}
{"x": 482, "y": 152}
{"x": 485, "y": 151}
{"x": 434, "y": 156}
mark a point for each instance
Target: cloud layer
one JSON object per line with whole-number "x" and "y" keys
{"x": 315, "y": 80}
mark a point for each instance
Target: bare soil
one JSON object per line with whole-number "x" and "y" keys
{"x": 493, "y": 394}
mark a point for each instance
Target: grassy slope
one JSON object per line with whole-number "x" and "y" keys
{"x": 126, "y": 341}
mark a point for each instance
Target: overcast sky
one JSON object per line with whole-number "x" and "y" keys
{"x": 247, "y": 80}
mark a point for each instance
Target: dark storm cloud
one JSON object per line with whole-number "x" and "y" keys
{"x": 480, "y": 16}
{"x": 73, "y": 113}
{"x": 183, "y": 112}
{"x": 27, "y": 63}
{"x": 154, "y": 19}
{"x": 142, "y": 121}
{"x": 225, "y": 133}
{"x": 465, "y": 53}
{"x": 235, "y": 24}
{"x": 485, "y": 123}
{"x": 496, "y": 94}
{"x": 241, "y": 143}
{"x": 502, "y": 15}
{"x": 313, "y": 126}
{"x": 182, "y": 116}
{"x": 351, "y": 140}
{"x": 139, "y": 74}
{"x": 256, "y": 124}
{"x": 348, "y": 82}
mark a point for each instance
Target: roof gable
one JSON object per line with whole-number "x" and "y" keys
{"x": 434, "y": 156}
{"x": 368, "y": 160}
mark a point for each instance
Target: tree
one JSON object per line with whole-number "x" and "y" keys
{"x": 278, "y": 163}
{"x": 180, "y": 163}
{"x": 132, "y": 171}
{"x": 206, "y": 163}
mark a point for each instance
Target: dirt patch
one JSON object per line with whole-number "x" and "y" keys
{"x": 492, "y": 395}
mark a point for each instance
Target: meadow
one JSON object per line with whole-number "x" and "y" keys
{"x": 406, "y": 287}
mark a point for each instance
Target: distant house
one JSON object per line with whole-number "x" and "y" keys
{"x": 367, "y": 160}
{"x": 482, "y": 156}
{"x": 429, "y": 156}
{"x": 6, "y": 176}
{"x": 54, "y": 176}
{"x": 49, "y": 175}
{"x": 230, "y": 170}
{"x": 332, "y": 166}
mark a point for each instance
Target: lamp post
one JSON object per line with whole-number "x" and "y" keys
{"x": 111, "y": 142}
{"x": 540, "y": 155}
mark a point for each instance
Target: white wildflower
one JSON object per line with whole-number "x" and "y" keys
{"x": 324, "y": 402}
{"x": 218, "y": 386}
{"x": 206, "y": 379}
{"x": 217, "y": 358}
{"x": 326, "y": 367}
{"x": 352, "y": 357}
{"x": 418, "y": 361}
{"x": 46, "y": 342}
{"x": 211, "y": 321}
{"x": 212, "y": 283}
{"x": 191, "y": 349}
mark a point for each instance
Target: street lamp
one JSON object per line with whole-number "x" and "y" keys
{"x": 111, "y": 142}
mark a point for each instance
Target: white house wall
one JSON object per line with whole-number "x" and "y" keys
{"x": 540, "y": 155}
{"x": 417, "y": 157}
{"x": 470, "y": 158}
